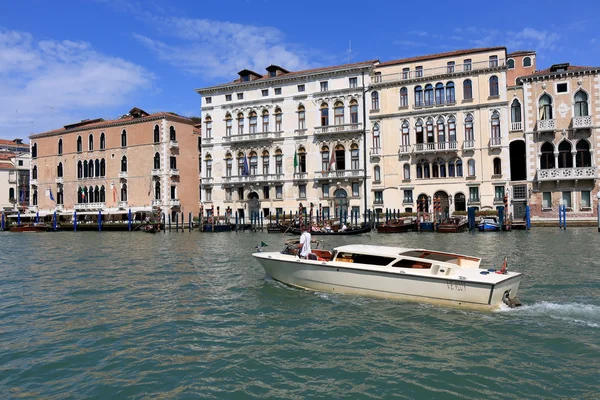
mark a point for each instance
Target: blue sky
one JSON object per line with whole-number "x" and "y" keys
{"x": 64, "y": 60}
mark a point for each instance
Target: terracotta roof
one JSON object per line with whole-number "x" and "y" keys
{"x": 11, "y": 143}
{"x": 4, "y": 165}
{"x": 440, "y": 55}
{"x": 520, "y": 53}
{"x": 570, "y": 68}
{"x": 6, "y": 155}
{"x": 99, "y": 123}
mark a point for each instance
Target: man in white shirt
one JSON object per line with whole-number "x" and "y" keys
{"x": 305, "y": 239}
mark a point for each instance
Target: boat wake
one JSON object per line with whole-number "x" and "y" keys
{"x": 574, "y": 313}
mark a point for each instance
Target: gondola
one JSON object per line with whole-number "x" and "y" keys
{"x": 398, "y": 226}
{"x": 358, "y": 231}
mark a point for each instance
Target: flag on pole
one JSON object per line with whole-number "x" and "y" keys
{"x": 332, "y": 161}
{"x": 245, "y": 170}
{"x": 82, "y": 195}
{"x": 150, "y": 187}
{"x": 50, "y": 195}
{"x": 114, "y": 194}
{"x": 295, "y": 160}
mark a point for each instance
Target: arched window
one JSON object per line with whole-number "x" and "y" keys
{"x": 377, "y": 173}
{"x": 547, "y": 156}
{"x": 11, "y": 194}
{"x": 423, "y": 171}
{"x": 429, "y": 130}
{"x": 79, "y": 170}
{"x": 156, "y": 160}
{"x": 375, "y": 101}
{"x": 452, "y": 131}
{"x": 278, "y": 120}
{"x": 527, "y": 62}
{"x": 253, "y": 163}
{"x": 79, "y": 144}
{"x": 102, "y": 167}
{"x": 471, "y": 165}
{"x": 439, "y": 93}
{"x": 435, "y": 172}
{"x": 85, "y": 169}
{"x": 510, "y": 63}
{"x": 208, "y": 163}
{"x": 124, "y": 138}
{"x": 325, "y": 158}
{"x": 241, "y": 164}
{"x": 173, "y": 134}
{"x": 419, "y": 131}
{"x": 354, "y": 112}
{"x": 405, "y": 133}
{"x": 450, "y": 93}
{"x": 441, "y": 130}
{"x": 91, "y": 142}
{"x": 157, "y": 190}
{"x": 583, "y": 157}
{"x": 497, "y": 166}
{"x": 354, "y": 157}
{"x": 469, "y": 134}
{"x": 451, "y": 168}
{"x": 418, "y": 96}
{"x": 496, "y": 127}
{"x": 515, "y": 111}
{"x": 324, "y": 114}
{"x": 156, "y": 134}
{"x": 96, "y": 194}
{"x": 278, "y": 162}
{"x": 34, "y": 199}
{"x": 301, "y": 118}
{"x": 102, "y": 141}
{"x": 581, "y": 104}
{"x": 240, "y": 118}
{"x": 228, "y": 124}
{"x": 91, "y": 169}
{"x": 422, "y": 203}
{"x": 459, "y": 167}
{"x": 34, "y": 172}
{"x": 376, "y": 137}
{"x": 565, "y": 159}
{"x": 102, "y": 194}
{"x": 124, "y": 164}
{"x": 545, "y": 107}
{"x": 468, "y": 89}
{"x": 494, "y": 90}
{"x": 403, "y": 97}
{"x": 338, "y": 113}
{"x": 442, "y": 167}
{"x": 428, "y": 95}
{"x": 406, "y": 170}
{"x": 228, "y": 164}
{"x": 91, "y": 194}
{"x": 340, "y": 158}
{"x": 265, "y": 162}
{"x": 60, "y": 149}
{"x": 460, "y": 203}
{"x": 265, "y": 121}
{"x": 97, "y": 167}
{"x": 124, "y": 192}
{"x": 252, "y": 121}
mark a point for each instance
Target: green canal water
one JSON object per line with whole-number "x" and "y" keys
{"x": 192, "y": 315}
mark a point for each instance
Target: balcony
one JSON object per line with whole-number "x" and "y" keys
{"x": 156, "y": 203}
{"x": 205, "y": 180}
{"x": 496, "y": 142}
{"x": 207, "y": 141}
{"x": 468, "y": 145}
{"x": 174, "y": 203}
{"x": 174, "y": 144}
{"x": 300, "y": 132}
{"x": 407, "y": 201}
{"x": 516, "y": 126}
{"x": 60, "y": 207}
{"x": 378, "y": 201}
{"x": 498, "y": 199}
{"x": 442, "y": 70}
{"x": 546, "y": 125}
{"x": 155, "y": 172}
{"x": 436, "y": 147}
{"x": 340, "y": 174}
{"x": 31, "y": 181}
{"x": 404, "y": 149}
{"x": 375, "y": 152}
{"x": 253, "y": 178}
{"x": 122, "y": 205}
{"x": 59, "y": 180}
{"x": 252, "y": 137}
{"x": 173, "y": 172}
{"x": 333, "y": 129}
{"x": 89, "y": 206}
{"x": 582, "y": 122}
{"x": 300, "y": 176}
{"x": 122, "y": 174}
{"x": 563, "y": 174}
{"x": 474, "y": 200}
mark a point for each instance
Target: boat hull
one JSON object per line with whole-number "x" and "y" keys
{"x": 331, "y": 277}
{"x": 396, "y": 228}
{"x": 488, "y": 227}
{"x": 27, "y": 228}
{"x": 358, "y": 231}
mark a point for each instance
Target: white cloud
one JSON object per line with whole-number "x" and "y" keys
{"x": 51, "y": 80}
{"x": 218, "y": 49}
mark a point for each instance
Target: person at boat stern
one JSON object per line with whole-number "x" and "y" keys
{"x": 305, "y": 239}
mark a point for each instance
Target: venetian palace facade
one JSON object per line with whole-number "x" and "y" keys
{"x": 275, "y": 141}
{"x": 136, "y": 162}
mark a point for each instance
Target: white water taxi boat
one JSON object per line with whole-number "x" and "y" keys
{"x": 397, "y": 273}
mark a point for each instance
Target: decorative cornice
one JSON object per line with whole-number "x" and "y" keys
{"x": 424, "y": 79}
{"x": 438, "y": 110}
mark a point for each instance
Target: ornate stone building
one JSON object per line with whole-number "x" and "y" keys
{"x": 273, "y": 141}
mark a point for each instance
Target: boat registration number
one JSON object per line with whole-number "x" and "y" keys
{"x": 459, "y": 286}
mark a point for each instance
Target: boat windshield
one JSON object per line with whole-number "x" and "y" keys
{"x": 368, "y": 259}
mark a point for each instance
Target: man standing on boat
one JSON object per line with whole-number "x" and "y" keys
{"x": 305, "y": 239}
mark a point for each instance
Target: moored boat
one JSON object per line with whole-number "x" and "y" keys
{"x": 452, "y": 225}
{"x": 396, "y": 273}
{"x": 489, "y": 224}
{"x": 398, "y": 226}
{"x": 29, "y": 228}
{"x": 339, "y": 232}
